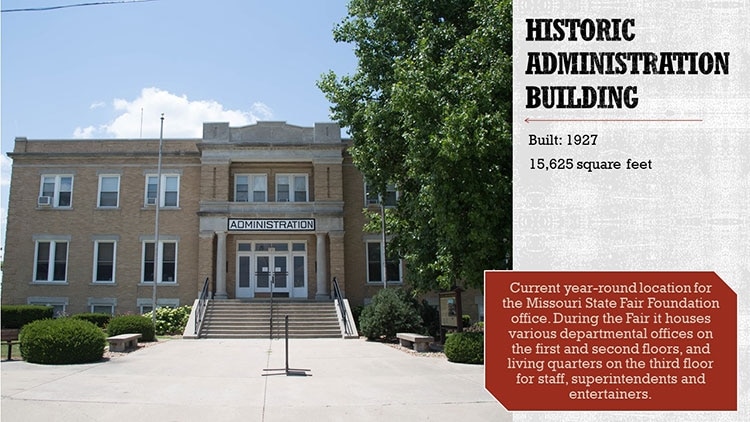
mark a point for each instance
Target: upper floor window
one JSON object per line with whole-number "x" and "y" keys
{"x": 56, "y": 191}
{"x": 250, "y": 188}
{"x": 372, "y": 197}
{"x": 291, "y": 188}
{"x": 109, "y": 191}
{"x": 170, "y": 190}
{"x": 51, "y": 261}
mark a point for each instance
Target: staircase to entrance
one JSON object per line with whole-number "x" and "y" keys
{"x": 251, "y": 319}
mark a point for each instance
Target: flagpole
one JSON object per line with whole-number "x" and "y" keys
{"x": 157, "y": 204}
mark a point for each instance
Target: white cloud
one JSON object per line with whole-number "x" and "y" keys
{"x": 5, "y": 167}
{"x": 86, "y": 132}
{"x": 183, "y": 118}
{"x": 98, "y": 104}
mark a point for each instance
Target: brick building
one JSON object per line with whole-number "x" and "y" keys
{"x": 240, "y": 206}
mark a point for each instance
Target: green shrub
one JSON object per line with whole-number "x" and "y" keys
{"x": 430, "y": 318}
{"x": 390, "y": 312}
{"x": 170, "y": 321}
{"x": 356, "y": 313}
{"x": 131, "y": 324}
{"x": 465, "y": 347}
{"x": 61, "y": 341}
{"x": 99, "y": 319}
{"x": 16, "y": 316}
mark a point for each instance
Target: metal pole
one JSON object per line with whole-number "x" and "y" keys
{"x": 382, "y": 248}
{"x": 286, "y": 340}
{"x": 157, "y": 204}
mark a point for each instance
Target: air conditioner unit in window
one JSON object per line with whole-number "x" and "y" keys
{"x": 44, "y": 201}
{"x": 150, "y": 201}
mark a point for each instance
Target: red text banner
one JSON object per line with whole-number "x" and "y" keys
{"x": 610, "y": 340}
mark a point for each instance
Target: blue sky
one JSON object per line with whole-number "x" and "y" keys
{"x": 88, "y": 71}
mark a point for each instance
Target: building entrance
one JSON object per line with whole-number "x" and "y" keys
{"x": 277, "y": 268}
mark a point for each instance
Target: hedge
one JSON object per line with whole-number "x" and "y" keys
{"x": 130, "y": 324}
{"x": 16, "y": 316}
{"x": 101, "y": 320}
{"x": 61, "y": 341}
{"x": 465, "y": 347}
{"x": 390, "y": 312}
{"x": 170, "y": 321}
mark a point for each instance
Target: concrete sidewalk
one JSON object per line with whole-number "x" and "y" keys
{"x": 223, "y": 380}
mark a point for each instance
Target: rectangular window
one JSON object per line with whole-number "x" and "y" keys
{"x": 104, "y": 261}
{"x": 375, "y": 268}
{"x": 167, "y": 264}
{"x": 250, "y": 188}
{"x": 58, "y": 304}
{"x": 109, "y": 191}
{"x": 146, "y": 304}
{"x": 291, "y": 188}
{"x": 51, "y": 261}
{"x": 389, "y": 200}
{"x": 299, "y": 272}
{"x": 103, "y": 309}
{"x": 56, "y": 191}
{"x": 170, "y": 190}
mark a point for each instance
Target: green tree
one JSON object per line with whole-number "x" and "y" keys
{"x": 429, "y": 109}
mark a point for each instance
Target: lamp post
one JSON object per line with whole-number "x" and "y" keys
{"x": 157, "y": 204}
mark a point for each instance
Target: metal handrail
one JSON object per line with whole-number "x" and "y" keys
{"x": 202, "y": 305}
{"x": 342, "y": 308}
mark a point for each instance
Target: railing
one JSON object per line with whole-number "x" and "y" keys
{"x": 202, "y": 304}
{"x": 342, "y": 307}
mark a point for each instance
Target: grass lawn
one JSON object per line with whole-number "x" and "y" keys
{"x": 15, "y": 352}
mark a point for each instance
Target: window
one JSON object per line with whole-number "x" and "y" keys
{"x": 102, "y": 305}
{"x": 250, "y": 188}
{"x": 375, "y": 268}
{"x": 58, "y": 304}
{"x": 51, "y": 261}
{"x": 170, "y": 190}
{"x": 103, "y": 309}
{"x": 291, "y": 188}
{"x": 109, "y": 191}
{"x": 390, "y": 199}
{"x": 147, "y": 304}
{"x": 56, "y": 191}
{"x": 167, "y": 264}
{"x": 104, "y": 261}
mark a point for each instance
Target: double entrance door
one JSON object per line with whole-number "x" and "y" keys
{"x": 277, "y": 269}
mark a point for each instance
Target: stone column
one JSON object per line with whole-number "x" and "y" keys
{"x": 205, "y": 260}
{"x": 221, "y": 265}
{"x": 322, "y": 267}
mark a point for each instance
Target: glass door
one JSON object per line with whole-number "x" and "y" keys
{"x": 280, "y": 275}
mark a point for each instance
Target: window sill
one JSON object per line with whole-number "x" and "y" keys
{"x": 165, "y": 284}
{"x": 49, "y": 283}
{"x": 103, "y": 283}
{"x": 152, "y": 208}
{"x": 51, "y": 208}
{"x": 380, "y": 283}
{"x": 107, "y": 208}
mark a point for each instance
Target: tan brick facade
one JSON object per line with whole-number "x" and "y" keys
{"x": 309, "y": 162}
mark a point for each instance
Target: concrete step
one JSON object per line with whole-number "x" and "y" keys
{"x": 251, "y": 319}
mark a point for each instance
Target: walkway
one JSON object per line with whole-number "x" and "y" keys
{"x": 223, "y": 380}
